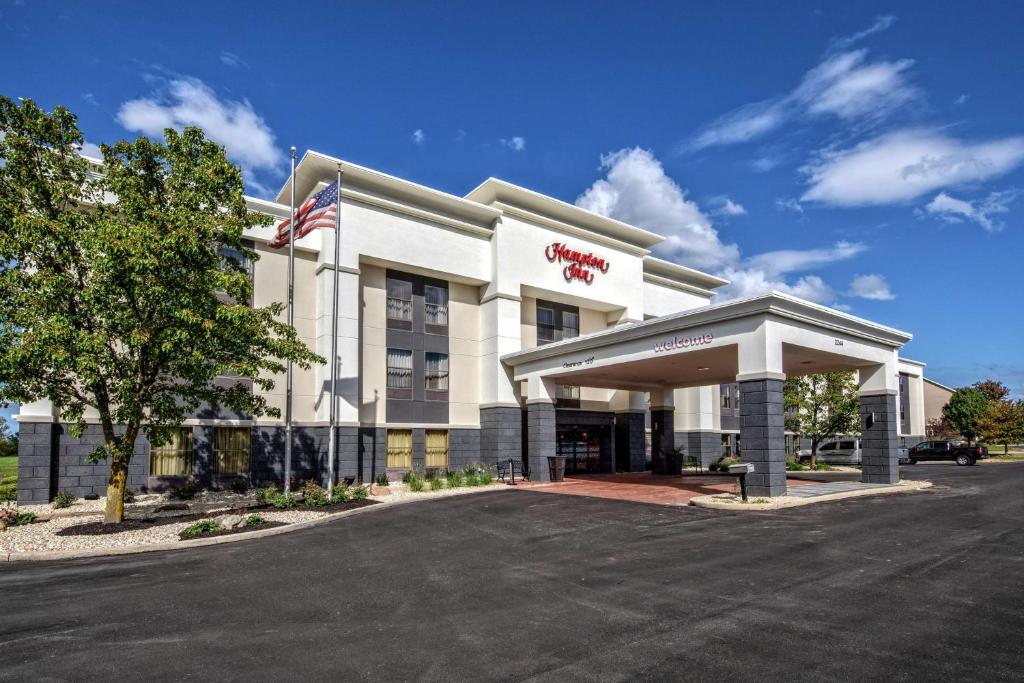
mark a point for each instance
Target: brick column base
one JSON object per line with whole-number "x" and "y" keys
{"x": 663, "y": 439}
{"x": 763, "y": 436}
{"x": 540, "y": 439}
{"x": 879, "y": 443}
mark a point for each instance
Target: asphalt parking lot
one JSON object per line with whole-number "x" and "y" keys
{"x": 516, "y": 585}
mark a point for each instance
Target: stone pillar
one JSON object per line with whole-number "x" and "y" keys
{"x": 664, "y": 460}
{"x": 630, "y": 443}
{"x": 879, "y": 443}
{"x": 501, "y": 434}
{"x": 540, "y": 426}
{"x": 37, "y": 443}
{"x": 762, "y": 436}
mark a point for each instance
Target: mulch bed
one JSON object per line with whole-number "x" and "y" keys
{"x": 335, "y": 507}
{"x": 230, "y": 532}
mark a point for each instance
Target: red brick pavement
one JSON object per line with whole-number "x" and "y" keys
{"x": 643, "y": 487}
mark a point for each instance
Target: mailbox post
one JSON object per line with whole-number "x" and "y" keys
{"x": 741, "y": 470}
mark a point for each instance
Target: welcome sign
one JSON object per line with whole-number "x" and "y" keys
{"x": 684, "y": 342}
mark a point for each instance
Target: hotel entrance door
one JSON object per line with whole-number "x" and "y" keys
{"x": 582, "y": 450}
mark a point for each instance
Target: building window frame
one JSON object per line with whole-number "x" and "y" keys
{"x": 565, "y": 322}
{"x": 400, "y": 301}
{"x": 232, "y": 451}
{"x": 399, "y": 449}
{"x": 437, "y": 448}
{"x": 436, "y": 307}
{"x": 400, "y": 373}
{"x": 176, "y": 457}
{"x": 436, "y": 375}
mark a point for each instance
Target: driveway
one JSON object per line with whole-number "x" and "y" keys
{"x": 522, "y": 585}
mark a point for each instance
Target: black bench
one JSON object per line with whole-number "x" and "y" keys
{"x": 510, "y": 468}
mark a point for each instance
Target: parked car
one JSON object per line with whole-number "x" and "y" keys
{"x": 838, "y": 452}
{"x": 947, "y": 450}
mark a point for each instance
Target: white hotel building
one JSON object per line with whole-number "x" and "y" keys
{"x": 510, "y": 325}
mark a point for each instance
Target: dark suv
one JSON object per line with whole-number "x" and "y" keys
{"x": 946, "y": 450}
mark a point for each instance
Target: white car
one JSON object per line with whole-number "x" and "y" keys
{"x": 844, "y": 452}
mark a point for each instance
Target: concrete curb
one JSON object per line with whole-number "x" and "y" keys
{"x": 724, "y": 501}
{"x": 45, "y": 555}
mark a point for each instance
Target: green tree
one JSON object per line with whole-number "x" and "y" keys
{"x": 8, "y": 440}
{"x": 992, "y": 389}
{"x": 124, "y": 289}
{"x": 965, "y": 408}
{"x": 1003, "y": 422}
{"x": 822, "y": 406}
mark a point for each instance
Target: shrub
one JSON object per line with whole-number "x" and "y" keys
{"x": 436, "y": 483}
{"x": 723, "y": 464}
{"x": 455, "y": 479}
{"x": 240, "y": 486}
{"x": 313, "y": 495}
{"x": 283, "y": 501}
{"x": 793, "y": 466}
{"x": 25, "y": 518}
{"x": 9, "y": 516}
{"x": 413, "y": 481}
{"x": 254, "y": 520}
{"x": 359, "y": 492}
{"x": 382, "y": 479}
{"x": 203, "y": 526}
{"x": 128, "y": 497}
{"x": 409, "y": 476}
{"x": 184, "y": 492}
{"x": 340, "y": 494}
{"x": 485, "y": 477}
{"x": 822, "y": 467}
{"x": 265, "y": 495}
{"x": 64, "y": 500}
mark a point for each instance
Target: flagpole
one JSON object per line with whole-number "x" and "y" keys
{"x": 291, "y": 323}
{"x": 332, "y": 448}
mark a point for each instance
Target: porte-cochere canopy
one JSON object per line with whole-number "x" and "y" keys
{"x": 757, "y": 342}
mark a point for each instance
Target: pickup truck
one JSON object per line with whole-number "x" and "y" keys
{"x": 947, "y": 450}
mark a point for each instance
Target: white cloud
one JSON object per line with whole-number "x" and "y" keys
{"x": 799, "y": 260}
{"x": 246, "y": 137}
{"x": 961, "y": 100}
{"x": 870, "y": 287}
{"x": 727, "y": 207}
{"x": 954, "y": 210}
{"x": 233, "y": 60}
{"x": 90, "y": 149}
{"x": 418, "y": 136}
{"x": 881, "y": 24}
{"x": 904, "y": 165}
{"x": 515, "y": 143}
{"x": 636, "y": 190}
{"x": 844, "y": 85}
{"x": 89, "y": 98}
{"x": 789, "y": 204}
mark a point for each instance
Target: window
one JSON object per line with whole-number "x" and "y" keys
{"x": 174, "y": 458}
{"x": 830, "y": 446}
{"x": 399, "y": 299}
{"x": 727, "y": 447}
{"x": 570, "y": 324}
{"x": 847, "y": 445}
{"x": 400, "y": 448}
{"x": 437, "y": 448}
{"x": 436, "y": 374}
{"x": 231, "y": 449}
{"x": 399, "y": 369}
{"x": 726, "y": 392}
{"x": 545, "y": 325}
{"x": 435, "y": 302}
{"x": 570, "y": 391}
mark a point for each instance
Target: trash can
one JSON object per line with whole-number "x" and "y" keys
{"x": 556, "y": 467}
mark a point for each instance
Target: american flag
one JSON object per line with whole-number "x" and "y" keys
{"x": 319, "y": 211}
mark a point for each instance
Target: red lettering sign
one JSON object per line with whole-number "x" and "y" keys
{"x": 582, "y": 266}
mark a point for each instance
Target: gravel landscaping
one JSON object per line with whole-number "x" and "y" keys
{"x": 154, "y": 519}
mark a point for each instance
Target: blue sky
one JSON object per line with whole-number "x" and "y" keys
{"x": 867, "y": 156}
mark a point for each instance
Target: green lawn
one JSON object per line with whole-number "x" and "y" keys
{"x": 9, "y": 478}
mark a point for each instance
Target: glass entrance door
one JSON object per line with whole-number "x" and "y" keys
{"x": 582, "y": 451}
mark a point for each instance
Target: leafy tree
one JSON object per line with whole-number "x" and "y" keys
{"x": 938, "y": 428}
{"x": 123, "y": 289}
{"x": 8, "y": 440}
{"x": 822, "y": 406}
{"x": 965, "y": 408}
{"x": 992, "y": 389}
{"x": 1003, "y": 422}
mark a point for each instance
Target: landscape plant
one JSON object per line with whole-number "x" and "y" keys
{"x": 129, "y": 496}
{"x": 254, "y": 520}
{"x": 1003, "y": 423}
{"x": 64, "y": 499}
{"x": 455, "y": 479}
{"x": 359, "y": 492}
{"x": 820, "y": 406}
{"x": 282, "y": 500}
{"x": 265, "y": 495}
{"x": 314, "y": 495}
{"x": 382, "y": 479}
{"x": 340, "y": 494}
{"x": 202, "y": 527}
{"x": 125, "y": 288}
{"x": 186, "y": 491}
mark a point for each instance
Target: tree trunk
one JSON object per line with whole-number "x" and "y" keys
{"x": 115, "y": 490}
{"x": 814, "y": 453}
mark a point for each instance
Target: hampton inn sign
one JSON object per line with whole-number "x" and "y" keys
{"x": 581, "y": 266}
